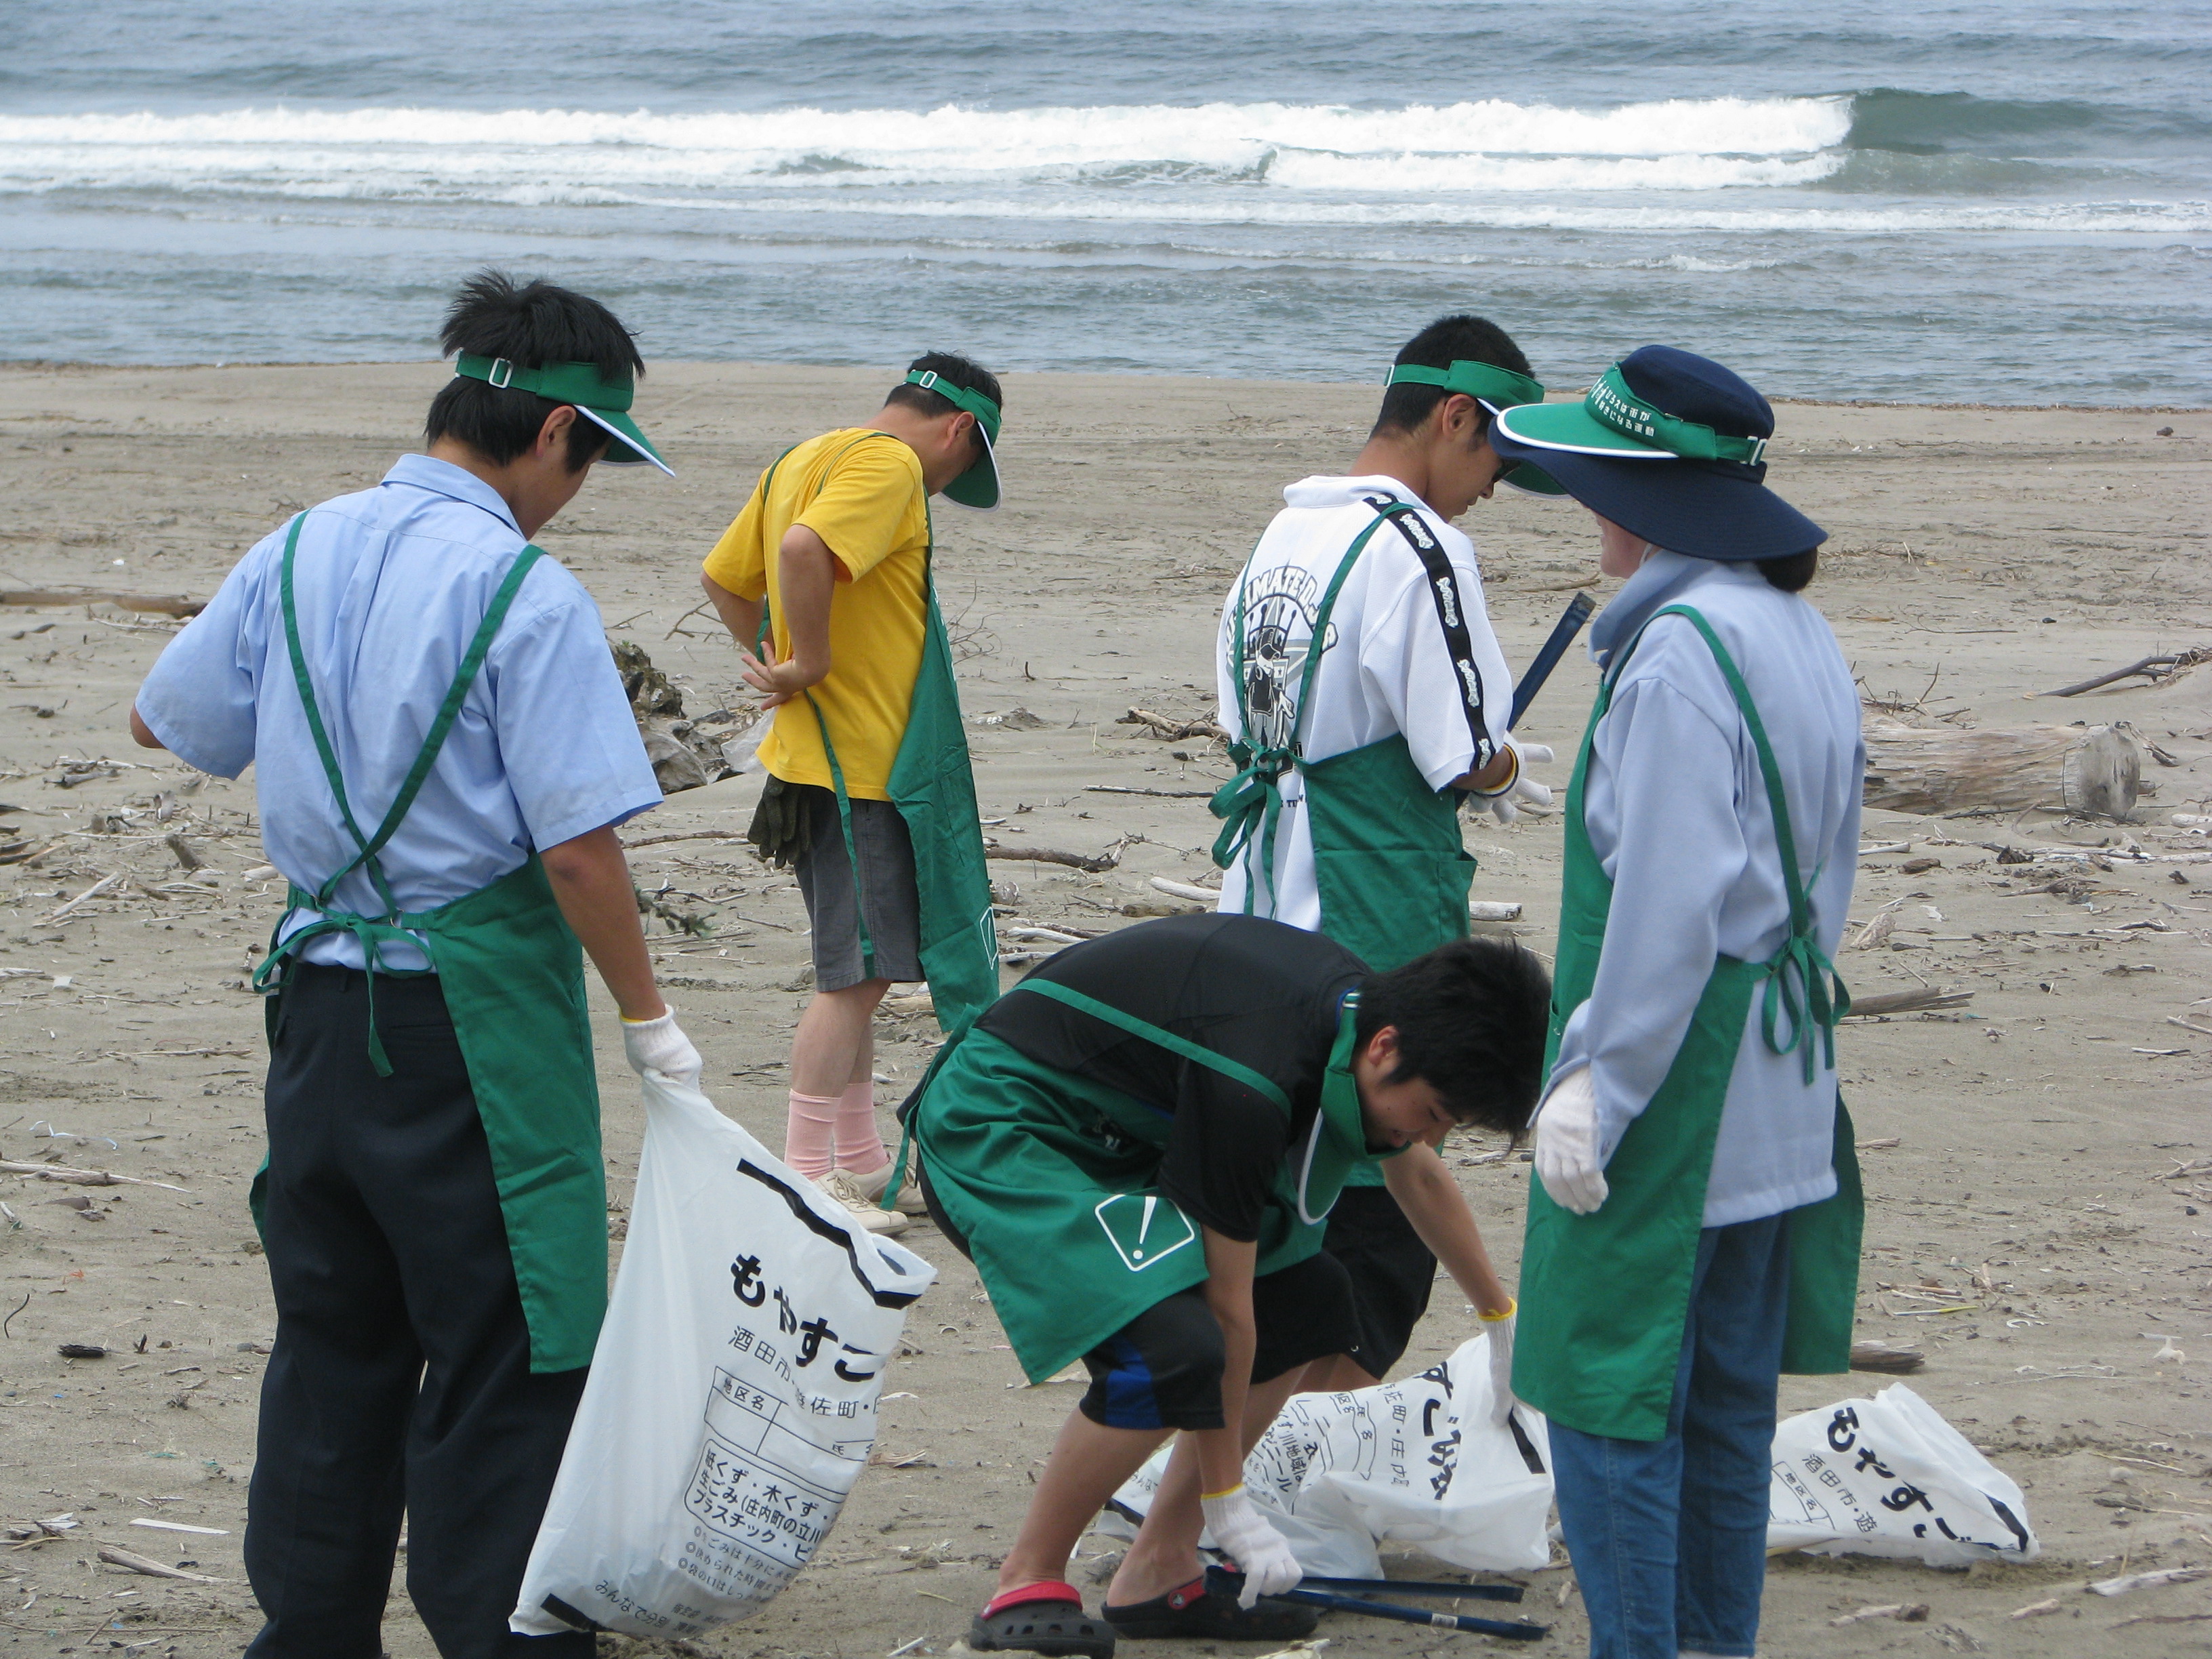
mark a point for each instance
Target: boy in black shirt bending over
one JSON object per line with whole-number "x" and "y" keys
{"x": 1139, "y": 1146}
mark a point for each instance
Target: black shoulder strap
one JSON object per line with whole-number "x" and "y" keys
{"x": 1451, "y": 617}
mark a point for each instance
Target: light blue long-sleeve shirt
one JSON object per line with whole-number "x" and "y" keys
{"x": 390, "y": 585}
{"x": 1678, "y": 816}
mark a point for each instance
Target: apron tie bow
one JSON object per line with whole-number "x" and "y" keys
{"x": 1250, "y": 804}
{"x": 1796, "y": 993}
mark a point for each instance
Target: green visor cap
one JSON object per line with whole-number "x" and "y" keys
{"x": 978, "y": 487}
{"x": 1496, "y": 390}
{"x": 604, "y": 403}
{"x": 1613, "y": 421}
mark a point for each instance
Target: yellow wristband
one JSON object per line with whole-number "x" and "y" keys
{"x": 1208, "y": 1497}
{"x": 1512, "y": 1307}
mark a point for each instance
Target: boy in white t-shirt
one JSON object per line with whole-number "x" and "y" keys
{"x": 1343, "y": 817}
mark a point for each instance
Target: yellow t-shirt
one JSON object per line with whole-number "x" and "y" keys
{"x": 862, "y": 493}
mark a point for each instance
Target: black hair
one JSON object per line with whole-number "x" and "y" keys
{"x": 530, "y": 325}
{"x": 1791, "y": 571}
{"x": 1446, "y": 341}
{"x": 1471, "y": 1017}
{"x": 963, "y": 371}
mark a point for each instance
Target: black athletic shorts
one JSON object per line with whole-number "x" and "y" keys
{"x": 1162, "y": 1368}
{"x": 1391, "y": 1270}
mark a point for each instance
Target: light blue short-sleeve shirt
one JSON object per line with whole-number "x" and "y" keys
{"x": 390, "y": 585}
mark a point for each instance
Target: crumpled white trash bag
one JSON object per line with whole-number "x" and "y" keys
{"x": 1416, "y": 1461}
{"x": 732, "y": 1397}
{"x": 1888, "y": 1476}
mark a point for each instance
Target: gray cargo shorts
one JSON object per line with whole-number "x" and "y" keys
{"x": 888, "y": 896}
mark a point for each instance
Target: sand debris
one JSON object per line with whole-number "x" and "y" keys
{"x": 2136, "y": 1581}
{"x": 1905, "y": 1613}
{"x": 122, "y": 1557}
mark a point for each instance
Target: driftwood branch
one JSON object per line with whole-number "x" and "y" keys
{"x": 93, "y": 891}
{"x": 1185, "y": 890}
{"x": 152, "y": 1569}
{"x": 683, "y": 835}
{"x": 1160, "y": 725}
{"x": 80, "y": 1177}
{"x": 1165, "y": 794}
{"x": 2153, "y": 668}
{"x": 163, "y": 604}
{"x": 2095, "y": 772}
{"x": 1105, "y": 860}
{"x": 1906, "y": 1002}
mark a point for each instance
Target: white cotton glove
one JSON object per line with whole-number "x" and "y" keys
{"x": 1500, "y": 1331}
{"x": 660, "y": 1045}
{"x": 1243, "y": 1534}
{"x": 1522, "y": 788}
{"x": 1567, "y": 1158}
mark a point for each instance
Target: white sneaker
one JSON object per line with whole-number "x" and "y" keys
{"x": 845, "y": 1186}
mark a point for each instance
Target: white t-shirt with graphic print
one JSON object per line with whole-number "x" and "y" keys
{"x": 1385, "y": 668}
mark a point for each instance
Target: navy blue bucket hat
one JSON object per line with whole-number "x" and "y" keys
{"x": 1671, "y": 446}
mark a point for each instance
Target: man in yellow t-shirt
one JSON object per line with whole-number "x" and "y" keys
{"x": 834, "y": 540}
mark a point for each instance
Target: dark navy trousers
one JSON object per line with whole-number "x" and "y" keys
{"x": 399, "y": 1382}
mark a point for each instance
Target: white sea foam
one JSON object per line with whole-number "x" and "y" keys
{"x": 1678, "y": 144}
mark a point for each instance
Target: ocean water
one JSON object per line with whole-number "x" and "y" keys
{"x": 1921, "y": 201}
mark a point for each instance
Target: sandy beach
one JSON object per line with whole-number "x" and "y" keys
{"x": 2035, "y": 1223}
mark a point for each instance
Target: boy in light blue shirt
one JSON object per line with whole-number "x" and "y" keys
{"x": 442, "y": 750}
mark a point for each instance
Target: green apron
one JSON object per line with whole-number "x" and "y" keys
{"x": 512, "y": 977}
{"x": 1390, "y": 869}
{"x": 1050, "y": 1177}
{"x": 1604, "y": 1297}
{"x": 933, "y": 785}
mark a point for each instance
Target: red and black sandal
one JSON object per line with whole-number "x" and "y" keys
{"x": 1195, "y": 1612}
{"x": 1045, "y": 1617}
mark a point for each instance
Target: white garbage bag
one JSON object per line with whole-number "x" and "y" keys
{"x": 1888, "y": 1476}
{"x": 732, "y": 1397}
{"x": 1417, "y": 1461}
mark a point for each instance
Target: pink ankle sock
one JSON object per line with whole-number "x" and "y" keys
{"x": 860, "y": 1148}
{"x": 809, "y": 1133}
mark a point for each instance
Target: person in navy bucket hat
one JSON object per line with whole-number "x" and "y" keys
{"x": 1672, "y": 447}
{"x": 1694, "y": 1230}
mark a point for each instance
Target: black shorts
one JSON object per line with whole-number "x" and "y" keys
{"x": 1162, "y": 1368}
{"x": 888, "y": 900}
{"x": 1391, "y": 1270}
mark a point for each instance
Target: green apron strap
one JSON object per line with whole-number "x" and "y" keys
{"x": 821, "y": 725}
{"x": 1253, "y": 791}
{"x": 1265, "y": 1086}
{"x": 851, "y": 848}
{"x": 374, "y": 932}
{"x": 449, "y": 710}
{"x": 314, "y": 713}
{"x": 1781, "y": 1001}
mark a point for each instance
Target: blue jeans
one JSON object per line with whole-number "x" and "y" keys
{"x": 1668, "y": 1536}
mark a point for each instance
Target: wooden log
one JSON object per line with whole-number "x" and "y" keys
{"x": 2095, "y": 772}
